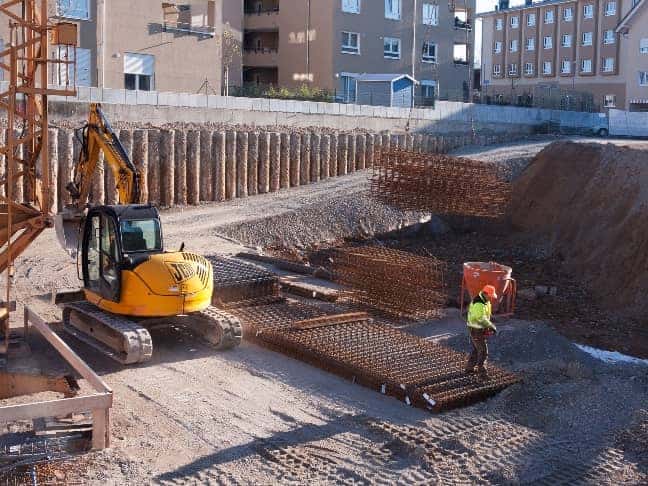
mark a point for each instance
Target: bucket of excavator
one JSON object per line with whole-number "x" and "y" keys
{"x": 68, "y": 225}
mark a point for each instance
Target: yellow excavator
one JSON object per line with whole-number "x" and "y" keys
{"x": 130, "y": 283}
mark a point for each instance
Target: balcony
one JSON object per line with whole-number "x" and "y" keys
{"x": 261, "y": 15}
{"x": 260, "y": 56}
{"x": 462, "y": 24}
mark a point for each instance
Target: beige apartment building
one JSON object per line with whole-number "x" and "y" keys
{"x": 574, "y": 45}
{"x": 330, "y": 43}
{"x": 147, "y": 45}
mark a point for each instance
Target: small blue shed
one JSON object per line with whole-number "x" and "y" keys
{"x": 385, "y": 90}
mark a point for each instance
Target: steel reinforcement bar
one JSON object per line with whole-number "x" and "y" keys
{"x": 440, "y": 184}
{"x": 393, "y": 281}
{"x": 396, "y": 363}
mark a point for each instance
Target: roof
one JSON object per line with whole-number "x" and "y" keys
{"x": 384, "y": 77}
{"x": 129, "y": 211}
{"x": 518, "y": 8}
{"x": 629, "y": 16}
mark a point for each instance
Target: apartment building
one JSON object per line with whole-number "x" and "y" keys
{"x": 574, "y": 45}
{"x": 330, "y": 43}
{"x": 146, "y": 45}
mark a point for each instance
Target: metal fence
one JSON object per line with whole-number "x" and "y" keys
{"x": 543, "y": 96}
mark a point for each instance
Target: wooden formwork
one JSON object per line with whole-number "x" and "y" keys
{"x": 99, "y": 403}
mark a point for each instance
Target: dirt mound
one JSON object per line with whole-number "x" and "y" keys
{"x": 591, "y": 201}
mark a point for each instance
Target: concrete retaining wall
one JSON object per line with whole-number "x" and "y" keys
{"x": 446, "y": 117}
{"x": 191, "y": 166}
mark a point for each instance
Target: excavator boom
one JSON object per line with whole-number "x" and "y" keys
{"x": 96, "y": 137}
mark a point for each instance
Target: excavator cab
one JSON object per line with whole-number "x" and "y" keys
{"x": 117, "y": 238}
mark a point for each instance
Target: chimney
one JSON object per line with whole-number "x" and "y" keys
{"x": 503, "y": 4}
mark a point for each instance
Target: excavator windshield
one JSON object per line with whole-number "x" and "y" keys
{"x": 141, "y": 235}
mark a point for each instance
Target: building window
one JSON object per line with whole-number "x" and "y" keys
{"x": 391, "y": 48}
{"x": 610, "y": 9}
{"x": 73, "y": 9}
{"x": 499, "y": 24}
{"x": 530, "y": 44}
{"x": 348, "y": 88}
{"x": 513, "y": 70}
{"x": 609, "y": 37}
{"x": 643, "y": 78}
{"x": 528, "y": 68}
{"x": 586, "y": 66}
{"x": 588, "y": 11}
{"x": 547, "y": 42}
{"x": 430, "y": 14}
{"x": 587, "y": 38}
{"x": 393, "y": 9}
{"x": 428, "y": 89}
{"x": 531, "y": 19}
{"x": 609, "y": 101}
{"x": 65, "y": 73}
{"x": 546, "y": 67}
{"x": 429, "y": 52}
{"x": 566, "y": 40}
{"x": 565, "y": 66}
{"x": 608, "y": 65}
{"x": 568, "y": 14}
{"x": 514, "y": 45}
{"x": 139, "y": 70}
{"x": 643, "y": 46}
{"x": 498, "y": 47}
{"x": 549, "y": 17}
{"x": 515, "y": 22}
{"x": 350, "y": 43}
{"x": 351, "y": 6}
{"x": 497, "y": 69}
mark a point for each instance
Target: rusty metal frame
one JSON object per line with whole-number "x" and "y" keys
{"x": 99, "y": 403}
{"x": 25, "y": 61}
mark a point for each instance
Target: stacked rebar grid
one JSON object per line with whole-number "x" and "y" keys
{"x": 410, "y": 368}
{"x": 396, "y": 282}
{"x": 440, "y": 184}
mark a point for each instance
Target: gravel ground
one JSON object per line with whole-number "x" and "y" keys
{"x": 251, "y": 416}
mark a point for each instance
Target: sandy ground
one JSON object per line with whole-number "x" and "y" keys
{"x": 251, "y": 416}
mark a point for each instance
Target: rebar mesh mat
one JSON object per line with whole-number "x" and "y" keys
{"x": 396, "y": 282}
{"x": 239, "y": 283}
{"x": 440, "y": 184}
{"x": 378, "y": 356}
{"x": 43, "y": 461}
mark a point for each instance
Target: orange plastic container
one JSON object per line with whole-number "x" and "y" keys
{"x": 478, "y": 274}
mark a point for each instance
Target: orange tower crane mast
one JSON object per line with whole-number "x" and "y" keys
{"x": 26, "y": 194}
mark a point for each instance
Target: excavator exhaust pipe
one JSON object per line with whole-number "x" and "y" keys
{"x": 68, "y": 226}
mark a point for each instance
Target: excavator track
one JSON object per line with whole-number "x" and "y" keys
{"x": 118, "y": 337}
{"x": 220, "y": 329}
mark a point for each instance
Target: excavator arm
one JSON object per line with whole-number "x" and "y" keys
{"x": 96, "y": 137}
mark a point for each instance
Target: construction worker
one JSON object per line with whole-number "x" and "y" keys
{"x": 480, "y": 328}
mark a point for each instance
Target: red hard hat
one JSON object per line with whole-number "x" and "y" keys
{"x": 490, "y": 291}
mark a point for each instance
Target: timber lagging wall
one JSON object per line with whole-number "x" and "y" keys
{"x": 192, "y": 166}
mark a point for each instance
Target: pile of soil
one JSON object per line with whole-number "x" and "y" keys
{"x": 590, "y": 203}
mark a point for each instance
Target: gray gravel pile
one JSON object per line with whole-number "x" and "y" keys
{"x": 354, "y": 215}
{"x": 588, "y": 411}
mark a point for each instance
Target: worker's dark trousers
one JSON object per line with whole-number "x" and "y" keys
{"x": 479, "y": 352}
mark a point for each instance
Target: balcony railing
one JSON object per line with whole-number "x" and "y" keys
{"x": 260, "y": 50}
{"x": 261, "y": 11}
